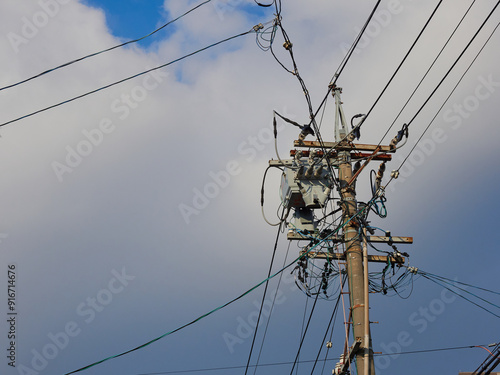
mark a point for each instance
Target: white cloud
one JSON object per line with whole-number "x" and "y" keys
{"x": 119, "y": 207}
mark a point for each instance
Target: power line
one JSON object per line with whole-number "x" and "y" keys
{"x": 334, "y": 314}
{"x": 217, "y": 308}
{"x": 231, "y": 367}
{"x": 254, "y": 29}
{"x": 465, "y": 298}
{"x": 455, "y": 63}
{"x": 428, "y": 70}
{"x": 447, "y": 98}
{"x": 223, "y": 368}
{"x": 346, "y": 58}
{"x": 271, "y": 309}
{"x": 402, "y": 61}
{"x": 104, "y": 50}
{"x": 265, "y": 290}
{"x": 304, "y": 333}
{"x": 340, "y": 69}
{"x": 459, "y": 282}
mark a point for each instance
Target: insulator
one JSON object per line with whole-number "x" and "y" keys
{"x": 309, "y": 171}
{"x": 318, "y": 172}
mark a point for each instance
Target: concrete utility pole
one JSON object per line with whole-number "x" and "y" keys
{"x": 354, "y": 260}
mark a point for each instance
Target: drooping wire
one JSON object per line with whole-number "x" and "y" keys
{"x": 126, "y": 79}
{"x": 262, "y": 200}
{"x": 105, "y": 50}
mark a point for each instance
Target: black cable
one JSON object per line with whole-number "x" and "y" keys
{"x": 455, "y": 63}
{"x": 334, "y": 313}
{"x": 265, "y": 291}
{"x": 402, "y": 61}
{"x": 229, "y": 367}
{"x": 306, "y": 361}
{"x": 458, "y": 294}
{"x": 346, "y": 58}
{"x": 428, "y": 70}
{"x": 105, "y": 50}
{"x": 271, "y": 309}
{"x": 446, "y": 100}
{"x": 263, "y": 5}
{"x": 337, "y": 75}
{"x": 304, "y": 334}
{"x": 125, "y": 79}
{"x": 295, "y": 72}
{"x": 303, "y": 255}
{"x": 445, "y": 279}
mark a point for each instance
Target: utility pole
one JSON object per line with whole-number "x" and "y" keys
{"x": 307, "y": 182}
{"x": 353, "y": 253}
{"x": 355, "y": 267}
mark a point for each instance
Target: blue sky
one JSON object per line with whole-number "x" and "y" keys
{"x": 133, "y": 19}
{"x": 105, "y": 256}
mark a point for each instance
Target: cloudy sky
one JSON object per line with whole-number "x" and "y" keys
{"x": 132, "y": 211}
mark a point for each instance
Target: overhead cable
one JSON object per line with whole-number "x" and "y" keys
{"x": 303, "y": 255}
{"x": 254, "y": 29}
{"x": 444, "y": 103}
{"x": 428, "y": 70}
{"x": 104, "y": 50}
{"x": 455, "y": 63}
{"x": 334, "y": 313}
{"x": 271, "y": 310}
{"x": 402, "y": 61}
{"x": 346, "y": 58}
{"x": 304, "y": 334}
{"x": 265, "y": 292}
{"x": 344, "y": 63}
{"x": 449, "y": 284}
{"x": 221, "y": 368}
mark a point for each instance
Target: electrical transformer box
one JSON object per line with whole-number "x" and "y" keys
{"x": 306, "y": 185}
